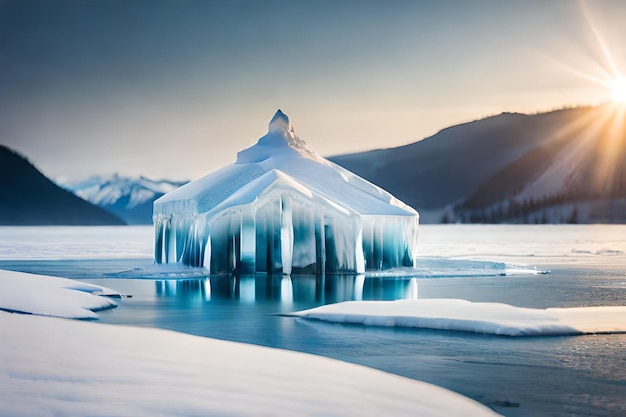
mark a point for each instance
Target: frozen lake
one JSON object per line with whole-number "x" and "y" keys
{"x": 534, "y": 376}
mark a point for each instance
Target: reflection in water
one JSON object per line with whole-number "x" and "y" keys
{"x": 358, "y": 287}
{"x": 286, "y": 290}
{"x": 302, "y": 288}
{"x": 412, "y": 292}
{"x": 247, "y": 287}
{"x": 207, "y": 289}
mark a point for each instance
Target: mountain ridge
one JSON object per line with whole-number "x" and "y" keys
{"x": 489, "y": 169}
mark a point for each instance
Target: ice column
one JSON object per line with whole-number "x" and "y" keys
{"x": 248, "y": 243}
{"x": 286, "y": 235}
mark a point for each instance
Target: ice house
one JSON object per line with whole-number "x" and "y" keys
{"x": 282, "y": 208}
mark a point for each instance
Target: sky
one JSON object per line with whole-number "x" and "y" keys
{"x": 173, "y": 89}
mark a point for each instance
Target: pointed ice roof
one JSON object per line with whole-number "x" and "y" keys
{"x": 279, "y": 142}
{"x": 280, "y": 123}
{"x": 282, "y": 151}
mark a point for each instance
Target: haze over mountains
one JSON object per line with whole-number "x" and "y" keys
{"x": 562, "y": 166}
{"x": 27, "y": 197}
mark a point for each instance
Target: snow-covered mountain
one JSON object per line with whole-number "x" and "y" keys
{"x": 129, "y": 198}
{"x": 567, "y": 165}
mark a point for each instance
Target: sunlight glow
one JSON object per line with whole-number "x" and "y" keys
{"x": 606, "y": 72}
{"x": 593, "y": 147}
{"x": 618, "y": 90}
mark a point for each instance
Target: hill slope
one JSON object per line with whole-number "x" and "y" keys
{"x": 565, "y": 165}
{"x": 27, "y": 197}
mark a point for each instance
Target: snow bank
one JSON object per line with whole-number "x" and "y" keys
{"x": 74, "y": 368}
{"x": 52, "y": 296}
{"x": 462, "y": 315}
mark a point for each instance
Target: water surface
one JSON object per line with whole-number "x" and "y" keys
{"x": 531, "y": 376}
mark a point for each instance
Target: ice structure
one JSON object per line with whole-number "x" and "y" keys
{"x": 282, "y": 208}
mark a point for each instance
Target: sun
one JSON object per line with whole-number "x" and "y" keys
{"x": 618, "y": 90}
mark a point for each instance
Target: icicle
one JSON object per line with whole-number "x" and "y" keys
{"x": 359, "y": 283}
{"x": 207, "y": 253}
{"x": 286, "y": 235}
{"x": 247, "y": 244}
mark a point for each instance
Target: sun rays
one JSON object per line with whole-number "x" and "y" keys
{"x": 595, "y": 144}
{"x": 602, "y": 70}
{"x": 593, "y": 149}
{"x": 611, "y": 76}
{"x": 610, "y": 144}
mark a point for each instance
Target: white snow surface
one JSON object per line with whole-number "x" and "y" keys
{"x": 52, "y": 296}
{"x": 55, "y": 367}
{"x": 477, "y": 317}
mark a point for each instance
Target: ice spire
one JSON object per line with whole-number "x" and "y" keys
{"x": 280, "y": 139}
{"x": 280, "y": 123}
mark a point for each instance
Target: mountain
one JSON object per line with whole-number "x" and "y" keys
{"x": 29, "y": 198}
{"x": 129, "y": 198}
{"x": 567, "y": 165}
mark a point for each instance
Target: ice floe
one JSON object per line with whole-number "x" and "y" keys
{"x": 477, "y": 317}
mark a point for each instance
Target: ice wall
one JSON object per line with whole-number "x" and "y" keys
{"x": 281, "y": 208}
